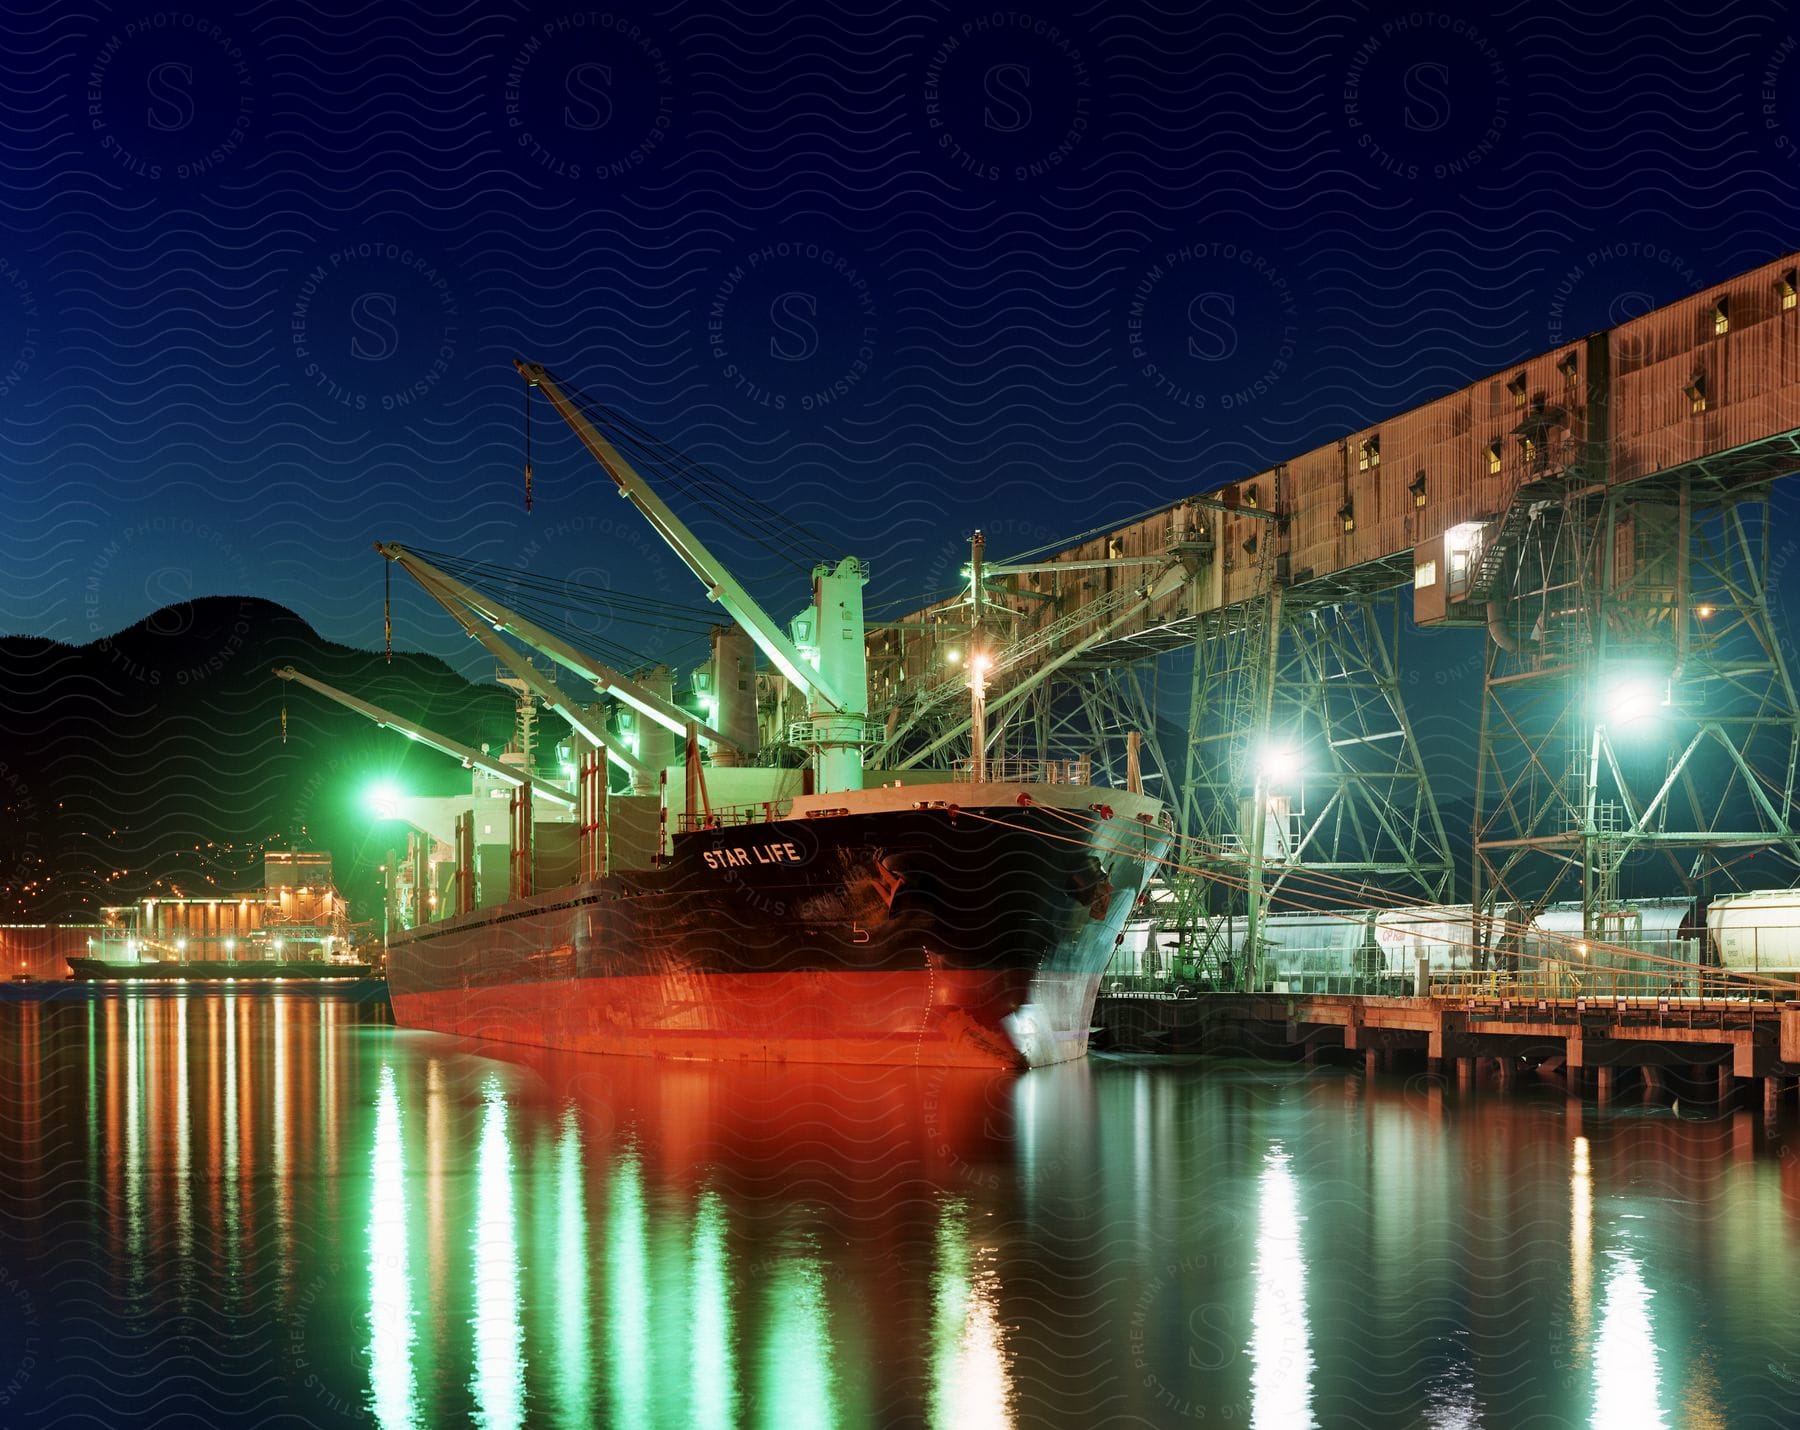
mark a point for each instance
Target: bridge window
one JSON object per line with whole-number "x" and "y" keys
{"x": 1417, "y": 488}
{"x": 1517, "y": 388}
{"x": 1786, "y": 290}
{"x": 1424, "y": 575}
{"x": 1571, "y": 368}
{"x": 1696, "y": 394}
{"x": 1493, "y": 459}
{"x": 1721, "y": 317}
{"x": 1368, "y": 456}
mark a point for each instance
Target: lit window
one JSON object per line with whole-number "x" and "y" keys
{"x": 1493, "y": 459}
{"x": 1721, "y": 317}
{"x": 1347, "y": 515}
{"x": 1517, "y": 388}
{"x": 1696, "y": 395}
{"x": 1786, "y": 290}
{"x": 1417, "y": 488}
{"x": 1369, "y": 454}
{"x": 1528, "y": 449}
{"x": 1571, "y": 368}
{"x": 1424, "y": 575}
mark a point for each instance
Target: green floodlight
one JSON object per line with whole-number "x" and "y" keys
{"x": 383, "y": 799}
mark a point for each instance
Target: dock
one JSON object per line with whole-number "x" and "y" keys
{"x": 1596, "y": 1046}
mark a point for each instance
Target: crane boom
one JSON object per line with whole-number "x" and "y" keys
{"x": 501, "y": 618}
{"x": 388, "y": 720}
{"x": 594, "y": 731}
{"x": 720, "y": 584}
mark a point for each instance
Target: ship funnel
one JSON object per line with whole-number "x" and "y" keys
{"x": 732, "y": 696}
{"x": 658, "y": 743}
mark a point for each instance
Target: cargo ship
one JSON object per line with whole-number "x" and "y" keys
{"x": 953, "y": 925}
{"x": 294, "y": 927}
{"x": 220, "y": 969}
{"x": 729, "y": 902}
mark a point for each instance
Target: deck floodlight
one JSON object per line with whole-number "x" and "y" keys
{"x": 383, "y": 799}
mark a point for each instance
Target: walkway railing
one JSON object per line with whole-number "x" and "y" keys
{"x": 1029, "y": 772}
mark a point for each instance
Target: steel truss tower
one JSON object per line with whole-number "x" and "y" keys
{"x": 1637, "y": 710}
{"x": 1297, "y": 706}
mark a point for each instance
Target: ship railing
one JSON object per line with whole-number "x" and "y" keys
{"x": 728, "y": 816}
{"x": 1563, "y": 981}
{"x": 1029, "y": 772}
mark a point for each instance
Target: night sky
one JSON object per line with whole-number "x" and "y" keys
{"x": 897, "y": 272}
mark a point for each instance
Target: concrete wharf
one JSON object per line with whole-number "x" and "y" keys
{"x": 1600, "y": 1045}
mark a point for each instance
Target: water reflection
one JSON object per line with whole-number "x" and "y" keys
{"x": 393, "y": 1391}
{"x": 396, "y": 1228}
{"x": 970, "y": 1383}
{"x": 628, "y": 1292}
{"x": 1625, "y": 1373}
{"x": 1281, "y": 1380}
{"x": 713, "y": 1393}
{"x": 574, "y": 1387}
{"x": 1581, "y": 1249}
{"x": 499, "y": 1339}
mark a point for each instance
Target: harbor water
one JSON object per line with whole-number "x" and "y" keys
{"x": 271, "y": 1205}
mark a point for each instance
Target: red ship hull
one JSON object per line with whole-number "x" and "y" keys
{"x": 921, "y": 936}
{"x": 921, "y": 1018}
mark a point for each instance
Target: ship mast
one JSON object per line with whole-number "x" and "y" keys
{"x": 827, "y": 659}
{"x": 482, "y": 617}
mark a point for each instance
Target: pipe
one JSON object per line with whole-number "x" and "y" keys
{"x": 1496, "y": 627}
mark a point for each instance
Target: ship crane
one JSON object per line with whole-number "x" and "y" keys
{"x": 834, "y": 678}
{"x": 471, "y": 758}
{"x": 482, "y": 617}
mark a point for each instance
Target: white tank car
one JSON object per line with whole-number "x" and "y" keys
{"x": 1441, "y": 934}
{"x": 1319, "y": 953}
{"x": 1654, "y": 927}
{"x": 1757, "y": 933}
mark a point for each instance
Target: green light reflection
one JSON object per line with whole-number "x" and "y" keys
{"x": 499, "y": 1382}
{"x": 392, "y": 1387}
{"x": 715, "y": 1381}
{"x": 799, "y": 1387}
{"x": 628, "y": 1293}
{"x": 574, "y": 1388}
